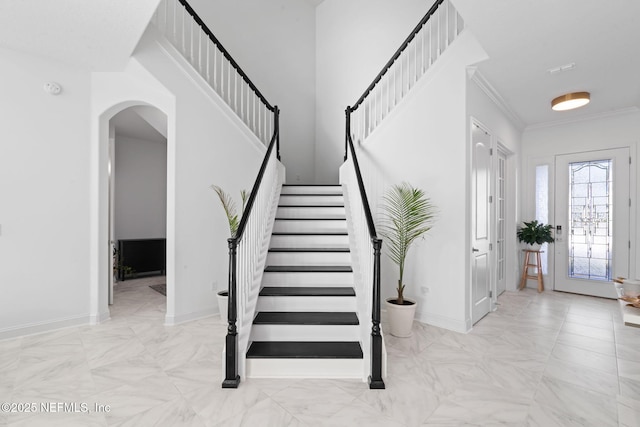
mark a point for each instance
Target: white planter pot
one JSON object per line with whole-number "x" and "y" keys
{"x": 223, "y": 304}
{"x": 401, "y": 317}
{"x": 534, "y": 247}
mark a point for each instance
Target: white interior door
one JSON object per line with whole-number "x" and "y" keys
{"x": 592, "y": 209}
{"x": 481, "y": 223}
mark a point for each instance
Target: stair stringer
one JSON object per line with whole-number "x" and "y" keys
{"x": 364, "y": 300}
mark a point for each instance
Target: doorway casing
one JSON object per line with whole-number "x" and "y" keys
{"x": 101, "y": 257}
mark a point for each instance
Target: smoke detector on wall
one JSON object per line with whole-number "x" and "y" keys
{"x": 52, "y": 88}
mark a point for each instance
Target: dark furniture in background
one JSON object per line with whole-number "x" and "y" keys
{"x": 143, "y": 256}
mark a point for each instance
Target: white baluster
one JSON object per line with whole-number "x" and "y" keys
{"x": 439, "y": 51}
{"x": 175, "y": 24}
{"x": 415, "y": 59}
{"x": 447, "y": 25}
{"x": 242, "y": 100}
{"x": 166, "y": 19}
{"x": 235, "y": 90}
{"x": 229, "y": 89}
{"x": 215, "y": 68}
{"x": 255, "y": 100}
{"x": 208, "y": 59}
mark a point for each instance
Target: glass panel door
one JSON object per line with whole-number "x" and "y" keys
{"x": 591, "y": 224}
{"x": 592, "y": 209}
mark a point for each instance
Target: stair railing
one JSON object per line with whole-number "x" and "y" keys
{"x": 429, "y": 39}
{"x": 186, "y": 31}
{"x": 368, "y": 247}
{"x": 245, "y": 264}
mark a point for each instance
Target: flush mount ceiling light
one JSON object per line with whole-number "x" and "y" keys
{"x": 570, "y": 101}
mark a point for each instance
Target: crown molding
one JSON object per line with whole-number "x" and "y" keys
{"x": 476, "y": 76}
{"x": 585, "y": 118}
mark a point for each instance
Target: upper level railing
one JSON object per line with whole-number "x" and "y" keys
{"x": 428, "y": 40}
{"x": 184, "y": 29}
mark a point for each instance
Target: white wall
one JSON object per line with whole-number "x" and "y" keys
{"x": 614, "y": 130}
{"x": 210, "y": 146}
{"x": 44, "y": 195}
{"x": 424, "y": 141}
{"x": 274, "y": 43}
{"x": 493, "y": 117}
{"x": 140, "y": 180}
{"x": 354, "y": 40}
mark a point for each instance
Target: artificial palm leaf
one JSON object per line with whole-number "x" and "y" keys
{"x": 230, "y": 208}
{"x": 408, "y": 216}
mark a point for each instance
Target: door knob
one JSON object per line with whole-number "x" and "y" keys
{"x": 476, "y": 250}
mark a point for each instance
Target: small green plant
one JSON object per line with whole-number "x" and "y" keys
{"x": 230, "y": 208}
{"x": 535, "y": 232}
{"x": 120, "y": 270}
{"x": 408, "y": 215}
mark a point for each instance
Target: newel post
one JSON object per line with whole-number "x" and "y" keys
{"x": 232, "y": 379}
{"x": 276, "y": 118}
{"x": 347, "y": 112}
{"x": 375, "y": 379}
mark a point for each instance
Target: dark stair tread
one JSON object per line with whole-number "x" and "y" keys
{"x": 305, "y": 350}
{"x": 333, "y": 205}
{"x": 311, "y": 185}
{"x": 306, "y": 318}
{"x": 342, "y": 218}
{"x": 308, "y": 269}
{"x": 307, "y": 291}
{"x": 309, "y": 233}
{"x": 309, "y": 250}
{"x": 310, "y": 194}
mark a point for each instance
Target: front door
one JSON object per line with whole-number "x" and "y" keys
{"x": 481, "y": 223}
{"x": 592, "y": 213}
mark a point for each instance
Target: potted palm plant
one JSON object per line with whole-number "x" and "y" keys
{"x": 535, "y": 234}
{"x": 233, "y": 217}
{"x": 407, "y": 215}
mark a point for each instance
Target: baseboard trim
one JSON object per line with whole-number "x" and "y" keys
{"x": 444, "y": 322}
{"x": 96, "y": 319}
{"x": 46, "y": 326}
{"x": 172, "y": 320}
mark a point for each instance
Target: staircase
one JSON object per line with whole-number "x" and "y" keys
{"x": 306, "y": 323}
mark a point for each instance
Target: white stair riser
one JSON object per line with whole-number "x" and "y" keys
{"x": 307, "y": 279}
{"x": 294, "y": 199}
{"x": 293, "y": 226}
{"x": 309, "y": 241}
{"x": 305, "y": 332}
{"x": 309, "y": 258}
{"x": 296, "y": 303}
{"x": 311, "y": 189}
{"x": 304, "y": 368}
{"x": 310, "y": 212}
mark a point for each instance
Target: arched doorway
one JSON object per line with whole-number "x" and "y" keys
{"x": 138, "y": 210}
{"x": 143, "y": 133}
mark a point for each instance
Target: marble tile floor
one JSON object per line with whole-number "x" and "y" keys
{"x": 549, "y": 359}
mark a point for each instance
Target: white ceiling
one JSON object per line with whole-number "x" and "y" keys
{"x": 135, "y": 123}
{"x": 93, "y": 34}
{"x": 525, "y": 38}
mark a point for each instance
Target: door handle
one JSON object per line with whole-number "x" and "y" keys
{"x": 476, "y": 250}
